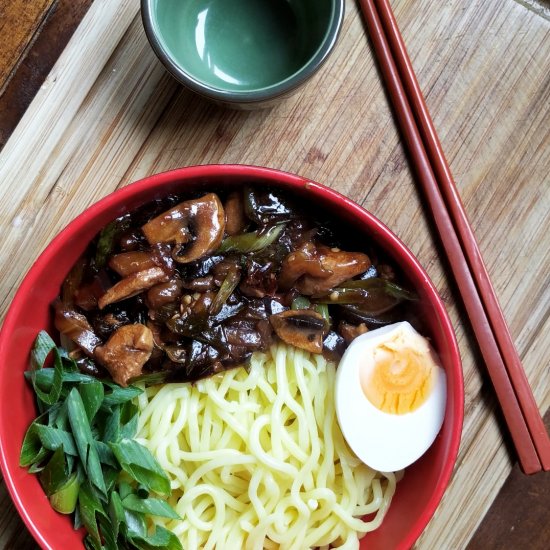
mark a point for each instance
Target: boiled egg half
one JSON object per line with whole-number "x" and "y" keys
{"x": 390, "y": 396}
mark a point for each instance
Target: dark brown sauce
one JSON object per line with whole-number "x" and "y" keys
{"x": 165, "y": 293}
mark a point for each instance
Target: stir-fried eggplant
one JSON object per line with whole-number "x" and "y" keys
{"x": 182, "y": 289}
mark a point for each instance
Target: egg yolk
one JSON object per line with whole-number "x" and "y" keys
{"x": 401, "y": 380}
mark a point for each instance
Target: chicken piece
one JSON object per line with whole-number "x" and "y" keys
{"x": 126, "y": 351}
{"x": 133, "y": 284}
{"x": 315, "y": 269}
{"x": 127, "y": 263}
{"x": 76, "y": 327}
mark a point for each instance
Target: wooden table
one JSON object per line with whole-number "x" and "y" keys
{"x": 108, "y": 114}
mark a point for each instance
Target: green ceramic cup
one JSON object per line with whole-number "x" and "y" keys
{"x": 242, "y": 53}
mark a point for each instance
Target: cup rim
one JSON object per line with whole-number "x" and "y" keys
{"x": 273, "y": 91}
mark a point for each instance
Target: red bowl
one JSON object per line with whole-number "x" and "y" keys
{"x": 418, "y": 494}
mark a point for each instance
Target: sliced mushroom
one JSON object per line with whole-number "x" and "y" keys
{"x": 133, "y": 284}
{"x": 196, "y": 227}
{"x": 303, "y": 328}
{"x": 349, "y": 332}
{"x": 199, "y": 284}
{"x": 315, "y": 269}
{"x": 235, "y": 219}
{"x": 127, "y": 263}
{"x": 164, "y": 293}
{"x": 169, "y": 227}
{"x": 126, "y": 351}
{"x": 75, "y": 327}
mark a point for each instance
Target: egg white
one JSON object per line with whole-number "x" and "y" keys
{"x": 386, "y": 442}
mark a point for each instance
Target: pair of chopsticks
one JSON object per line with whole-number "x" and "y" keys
{"x": 503, "y": 363}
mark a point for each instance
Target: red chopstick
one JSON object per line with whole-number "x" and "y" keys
{"x": 511, "y": 386}
{"x": 447, "y": 185}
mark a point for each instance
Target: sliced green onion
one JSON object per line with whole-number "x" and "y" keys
{"x": 44, "y": 378}
{"x": 54, "y": 474}
{"x": 226, "y": 289}
{"x": 153, "y": 506}
{"x": 107, "y": 237}
{"x": 65, "y": 498}
{"x": 161, "y": 538}
{"x": 43, "y": 346}
{"x": 322, "y": 309}
{"x": 343, "y": 296}
{"x": 53, "y": 438}
{"x": 32, "y": 450}
{"x": 120, "y": 395}
{"x": 92, "y": 397}
{"x": 105, "y": 454}
{"x": 116, "y": 512}
{"x": 129, "y": 416}
{"x": 90, "y": 507}
{"x": 251, "y": 242}
{"x": 300, "y": 302}
{"x": 370, "y": 296}
{"x": 84, "y": 440}
{"x": 138, "y": 462}
{"x": 376, "y": 283}
{"x": 135, "y": 524}
{"x": 80, "y": 444}
{"x": 152, "y": 378}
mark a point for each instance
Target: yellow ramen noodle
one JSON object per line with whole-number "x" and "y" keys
{"x": 257, "y": 460}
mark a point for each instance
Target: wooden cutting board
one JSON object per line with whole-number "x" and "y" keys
{"x": 108, "y": 114}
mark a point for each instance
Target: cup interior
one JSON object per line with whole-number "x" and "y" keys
{"x": 241, "y": 45}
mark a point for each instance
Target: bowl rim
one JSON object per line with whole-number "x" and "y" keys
{"x": 258, "y": 95}
{"x": 10, "y": 470}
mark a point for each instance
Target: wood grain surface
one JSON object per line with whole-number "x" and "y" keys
{"x": 520, "y": 515}
{"x": 108, "y": 114}
{"x": 19, "y": 22}
{"x": 39, "y": 47}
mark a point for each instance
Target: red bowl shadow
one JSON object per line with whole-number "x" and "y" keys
{"x": 422, "y": 488}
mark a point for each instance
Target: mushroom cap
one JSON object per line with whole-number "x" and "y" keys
{"x": 133, "y": 284}
{"x": 196, "y": 228}
{"x": 303, "y": 328}
{"x": 126, "y": 351}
